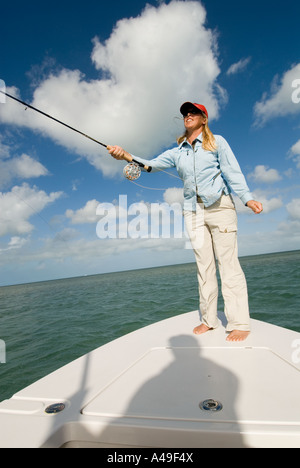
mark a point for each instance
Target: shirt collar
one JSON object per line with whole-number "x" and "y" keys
{"x": 199, "y": 138}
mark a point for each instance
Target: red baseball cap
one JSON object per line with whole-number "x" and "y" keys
{"x": 188, "y": 105}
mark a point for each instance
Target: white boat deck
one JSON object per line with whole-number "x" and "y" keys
{"x": 144, "y": 390}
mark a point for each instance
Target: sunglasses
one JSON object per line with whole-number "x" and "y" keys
{"x": 193, "y": 112}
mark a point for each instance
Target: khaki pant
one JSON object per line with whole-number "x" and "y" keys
{"x": 213, "y": 235}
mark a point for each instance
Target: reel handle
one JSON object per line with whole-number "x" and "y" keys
{"x": 147, "y": 168}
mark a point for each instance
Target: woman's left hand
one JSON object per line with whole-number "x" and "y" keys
{"x": 255, "y": 206}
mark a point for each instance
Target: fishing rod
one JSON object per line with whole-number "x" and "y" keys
{"x": 132, "y": 171}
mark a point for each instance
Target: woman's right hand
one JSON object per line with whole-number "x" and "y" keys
{"x": 119, "y": 153}
{"x": 255, "y": 206}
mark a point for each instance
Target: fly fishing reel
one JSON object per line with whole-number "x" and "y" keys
{"x": 132, "y": 171}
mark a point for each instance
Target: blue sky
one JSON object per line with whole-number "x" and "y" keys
{"x": 119, "y": 71}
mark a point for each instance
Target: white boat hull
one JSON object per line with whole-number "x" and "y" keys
{"x": 146, "y": 388}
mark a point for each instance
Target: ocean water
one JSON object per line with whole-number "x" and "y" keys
{"x": 46, "y": 325}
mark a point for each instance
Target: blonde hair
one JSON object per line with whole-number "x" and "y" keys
{"x": 208, "y": 141}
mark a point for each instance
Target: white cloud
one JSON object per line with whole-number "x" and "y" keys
{"x": 295, "y": 153}
{"x": 271, "y": 204}
{"x": 4, "y": 150}
{"x": 23, "y": 167}
{"x": 85, "y": 215}
{"x": 280, "y": 100}
{"x": 296, "y": 148}
{"x": 15, "y": 242}
{"x": 147, "y": 67}
{"x": 18, "y": 205}
{"x": 265, "y": 175}
{"x": 173, "y": 195}
{"x": 238, "y": 66}
{"x": 294, "y": 209}
{"x": 26, "y": 167}
{"x": 288, "y": 233}
{"x": 89, "y": 252}
{"x": 285, "y": 237}
{"x": 289, "y": 172}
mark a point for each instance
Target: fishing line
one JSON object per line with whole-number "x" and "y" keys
{"x": 148, "y": 188}
{"x": 152, "y": 188}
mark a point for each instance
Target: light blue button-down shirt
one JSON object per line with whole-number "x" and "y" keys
{"x": 204, "y": 173}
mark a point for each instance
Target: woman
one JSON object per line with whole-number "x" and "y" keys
{"x": 210, "y": 173}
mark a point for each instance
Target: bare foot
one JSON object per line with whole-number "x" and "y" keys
{"x": 201, "y": 329}
{"x": 237, "y": 335}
